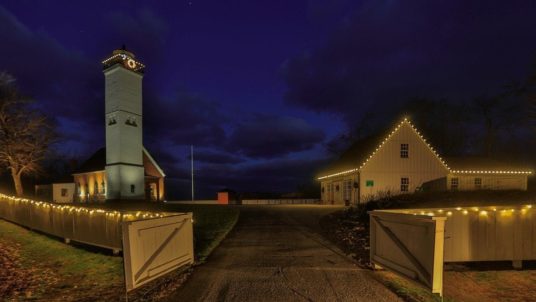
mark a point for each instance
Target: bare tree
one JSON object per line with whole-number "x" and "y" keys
{"x": 25, "y": 133}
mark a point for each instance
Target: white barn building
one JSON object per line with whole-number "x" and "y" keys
{"x": 403, "y": 162}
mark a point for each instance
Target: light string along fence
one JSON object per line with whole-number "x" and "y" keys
{"x": 96, "y": 227}
{"x": 485, "y": 233}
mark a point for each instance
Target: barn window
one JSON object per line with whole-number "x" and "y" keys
{"x": 478, "y": 183}
{"x": 132, "y": 188}
{"x": 63, "y": 192}
{"x": 103, "y": 185}
{"x": 454, "y": 183}
{"x": 404, "y": 184}
{"x": 404, "y": 150}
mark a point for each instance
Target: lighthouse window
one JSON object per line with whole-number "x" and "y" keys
{"x": 112, "y": 121}
{"x": 131, "y": 121}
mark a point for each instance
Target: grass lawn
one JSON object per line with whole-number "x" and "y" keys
{"x": 35, "y": 266}
{"x": 39, "y": 267}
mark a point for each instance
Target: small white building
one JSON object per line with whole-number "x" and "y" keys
{"x": 63, "y": 192}
{"x": 401, "y": 161}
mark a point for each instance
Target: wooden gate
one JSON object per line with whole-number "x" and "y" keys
{"x": 410, "y": 245}
{"x": 154, "y": 247}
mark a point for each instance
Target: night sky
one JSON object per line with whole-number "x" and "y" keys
{"x": 258, "y": 87}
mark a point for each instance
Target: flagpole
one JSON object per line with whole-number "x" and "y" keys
{"x": 192, "y": 164}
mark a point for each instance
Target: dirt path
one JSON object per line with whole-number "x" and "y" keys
{"x": 274, "y": 254}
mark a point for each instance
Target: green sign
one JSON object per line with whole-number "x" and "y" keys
{"x": 370, "y": 183}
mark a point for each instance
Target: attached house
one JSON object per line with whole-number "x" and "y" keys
{"x": 401, "y": 161}
{"x": 90, "y": 178}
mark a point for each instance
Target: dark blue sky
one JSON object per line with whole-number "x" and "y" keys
{"x": 258, "y": 87}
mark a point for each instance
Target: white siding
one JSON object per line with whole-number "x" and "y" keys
{"x": 68, "y": 190}
{"x": 333, "y": 196}
{"x": 386, "y": 167}
{"x": 489, "y": 182}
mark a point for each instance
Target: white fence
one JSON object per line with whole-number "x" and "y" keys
{"x": 208, "y": 201}
{"x": 280, "y": 201}
{"x": 470, "y": 234}
{"x": 152, "y": 243}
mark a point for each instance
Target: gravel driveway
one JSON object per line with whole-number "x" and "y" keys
{"x": 275, "y": 254}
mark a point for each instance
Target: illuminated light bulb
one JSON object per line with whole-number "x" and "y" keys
{"x": 483, "y": 213}
{"x": 529, "y": 206}
{"x": 458, "y": 208}
{"x": 449, "y": 213}
{"x": 465, "y": 212}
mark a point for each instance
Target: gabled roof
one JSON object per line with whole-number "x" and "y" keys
{"x": 97, "y": 162}
{"x": 151, "y": 159}
{"x": 357, "y": 156}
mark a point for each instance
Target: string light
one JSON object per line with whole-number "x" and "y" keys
{"x": 111, "y": 214}
{"x": 482, "y": 211}
{"x": 406, "y": 121}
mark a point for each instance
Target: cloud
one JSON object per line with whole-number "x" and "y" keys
{"x": 66, "y": 83}
{"x": 215, "y": 157}
{"x": 142, "y": 31}
{"x": 265, "y": 136}
{"x": 393, "y": 50}
{"x": 49, "y": 72}
{"x": 184, "y": 120}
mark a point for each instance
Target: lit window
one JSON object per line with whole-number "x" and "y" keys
{"x": 454, "y": 183}
{"x": 404, "y": 184}
{"x": 478, "y": 183}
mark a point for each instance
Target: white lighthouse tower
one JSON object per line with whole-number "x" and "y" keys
{"x": 124, "y": 142}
